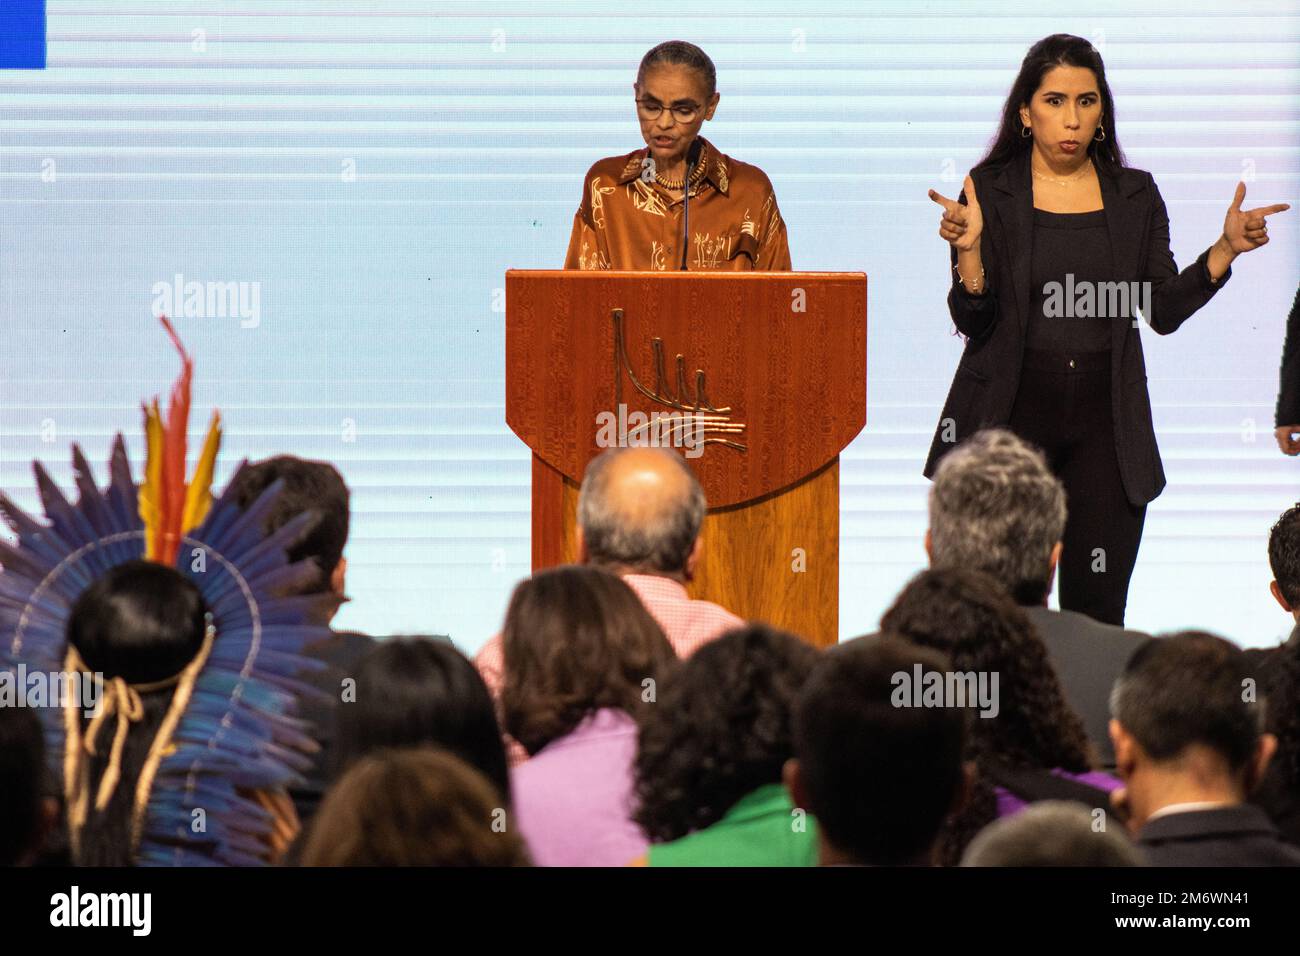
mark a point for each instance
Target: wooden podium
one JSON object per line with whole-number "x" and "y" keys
{"x": 760, "y": 381}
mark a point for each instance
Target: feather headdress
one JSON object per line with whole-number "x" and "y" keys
{"x": 237, "y": 733}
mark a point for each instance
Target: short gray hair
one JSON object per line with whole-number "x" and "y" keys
{"x": 1050, "y": 833}
{"x": 661, "y": 541}
{"x": 996, "y": 507}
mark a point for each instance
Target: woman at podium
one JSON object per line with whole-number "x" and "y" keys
{"x": 632, "y": 212}
{"x": 1058, "y": 248}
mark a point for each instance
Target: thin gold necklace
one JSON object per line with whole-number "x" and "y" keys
{"x": 1064, "y": 182}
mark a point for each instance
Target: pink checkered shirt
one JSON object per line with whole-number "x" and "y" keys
{"x": 687, "y": 624}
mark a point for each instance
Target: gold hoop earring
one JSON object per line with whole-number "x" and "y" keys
{"x": 1102, "y": 137}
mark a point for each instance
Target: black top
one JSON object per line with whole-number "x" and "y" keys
{"x": 1288, "y": 395}
{"x": 1069, "y": 249}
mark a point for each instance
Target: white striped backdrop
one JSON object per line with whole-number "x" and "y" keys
{"x": 375, "y": 166}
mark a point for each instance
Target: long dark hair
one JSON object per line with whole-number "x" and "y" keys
{"x": 723, "y": 727}
{"x": 969, "y": 617}
{"x": 1060, "y": 49}
{"x": 142, "y": 622}
{"x": 576, "y": 640}
{"x": 414, "y": 807}
{"x": 419, "y": 691}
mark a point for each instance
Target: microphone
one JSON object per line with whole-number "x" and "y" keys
{"x": 692, "y": 160}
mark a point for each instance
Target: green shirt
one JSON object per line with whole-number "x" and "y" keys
{"x": 761, "y": 829}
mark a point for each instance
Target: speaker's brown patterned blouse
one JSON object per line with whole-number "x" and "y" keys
{"x": 629, "y": 224}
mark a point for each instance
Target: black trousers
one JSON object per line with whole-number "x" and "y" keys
{"x": 1064, "y": 407}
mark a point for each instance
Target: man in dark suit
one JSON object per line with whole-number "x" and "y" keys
{"x": 1287, "y": 419}
{"x": 1190, "y": 747}
{"x": 313, "y": 486}
{"x": 996, "y": 507}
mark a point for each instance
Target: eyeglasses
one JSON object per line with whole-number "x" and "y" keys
{"x": 651, "y": 110}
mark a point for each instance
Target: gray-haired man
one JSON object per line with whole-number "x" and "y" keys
{"x": 996, "y": 507}
{"x": 640, "y": 511}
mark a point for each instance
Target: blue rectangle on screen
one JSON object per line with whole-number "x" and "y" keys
{"x": 22, "y": 34}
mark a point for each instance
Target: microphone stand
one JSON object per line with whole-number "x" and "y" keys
{"x": 692, "y": 160}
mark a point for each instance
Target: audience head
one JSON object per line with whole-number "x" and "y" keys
{"x": 418, "y": 691}
{"x": 1050, "y": 833}
{"x": 1188, "y": 724}
{"x": 1284, "y": 559}
{"x": 1284, "y": 719}
{"x": 968, "y": 617}
{"x": 640, "y": 511}
{"x": 879, "y": 778}
{"x": 144, "y": 623}
{"x": 308, "y": 486}
{"x": 996, "y": 507}
{"x": 414, "y": 807}
{"x": 141, "y": 621}
{"x": 965, "y": 615}
{"x": 576, "y": 640}
{"x": 720, "y": 730}
{"x": 22, "y": 768}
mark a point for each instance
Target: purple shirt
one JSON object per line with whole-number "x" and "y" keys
{"x": 573, "y": 799}
{"x": 1009, "y": 803}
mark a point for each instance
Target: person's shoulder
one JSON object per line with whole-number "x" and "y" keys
{"x": 1130, "y": 180}
{"x": 986, "y": 172}
{"x": 739, "y": 172}
{"x": 716, "y": 615}
{"x": 490, "y": 654}
{"x": 615, "y": 168}
{"x": 1075, "y": 623}
{"x": 1133, "y": 175}
{"x": 341, "y": 648}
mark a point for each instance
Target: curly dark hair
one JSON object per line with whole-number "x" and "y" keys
{"x": 722, "y": 728}
{"x": 576, "y": 639}
{"x": 969, "y": 617}
{"x": 1283, "y": 709}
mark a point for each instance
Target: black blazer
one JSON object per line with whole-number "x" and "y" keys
{"x": 988, "y": 376}
{"x": 1288, "y": 393}
{"x": 1228, "y": 836}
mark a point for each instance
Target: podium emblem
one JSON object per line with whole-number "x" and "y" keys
{"x": 690, "y": 413}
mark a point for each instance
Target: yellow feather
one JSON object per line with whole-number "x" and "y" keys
{"x": 150, "y": 492}
{"x": 198, "y": 494}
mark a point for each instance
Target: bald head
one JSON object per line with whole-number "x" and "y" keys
{"x": 640, "y": 509}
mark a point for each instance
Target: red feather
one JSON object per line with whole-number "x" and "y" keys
{"x": 172, "y": 492}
